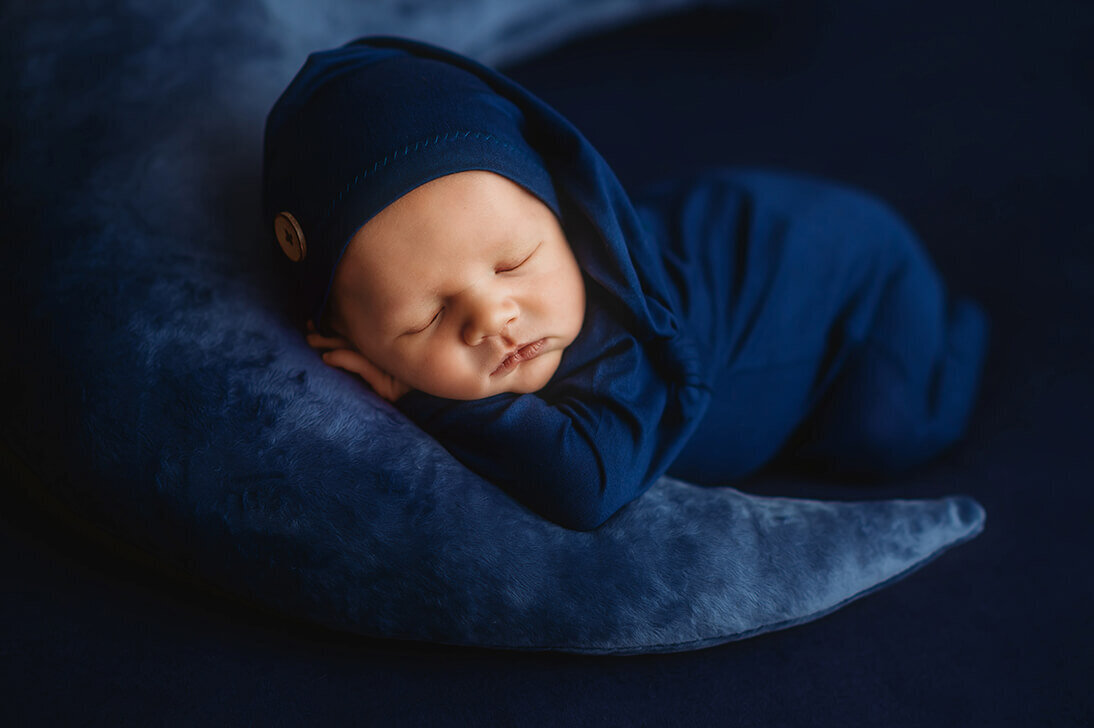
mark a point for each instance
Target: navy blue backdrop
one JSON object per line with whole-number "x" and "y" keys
{"x": 975, "y": 121}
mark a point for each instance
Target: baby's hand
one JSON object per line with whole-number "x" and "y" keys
{"x": 340, "y": 353}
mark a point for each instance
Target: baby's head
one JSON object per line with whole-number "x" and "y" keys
{"x": 463, "y": 288}
{"x": 421, "y": 225}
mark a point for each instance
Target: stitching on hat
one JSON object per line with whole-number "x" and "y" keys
{"x": 418, "y": 145}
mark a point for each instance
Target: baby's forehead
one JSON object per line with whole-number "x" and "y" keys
{"x": 459, "y": 218}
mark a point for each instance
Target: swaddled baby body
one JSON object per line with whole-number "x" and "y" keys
{"x": 466, "y": 252}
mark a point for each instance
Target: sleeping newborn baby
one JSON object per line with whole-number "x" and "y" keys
{"x": 459, "y": 246}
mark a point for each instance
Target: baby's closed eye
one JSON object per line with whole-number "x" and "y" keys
{"x": 507, "y": 267}
{"x": 435, "y": 319}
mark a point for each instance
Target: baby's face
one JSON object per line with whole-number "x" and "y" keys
{"x": 463, "y": 288}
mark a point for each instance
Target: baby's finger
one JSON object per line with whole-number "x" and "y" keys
{"x": 353, "y": 362}
{"x": 318, "y": 341}
{"x": 381, "y": 382}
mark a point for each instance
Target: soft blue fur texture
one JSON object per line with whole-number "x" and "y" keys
{"x": 158, "y": 386}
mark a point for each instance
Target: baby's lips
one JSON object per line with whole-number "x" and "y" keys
{"x": 522, "y": 353}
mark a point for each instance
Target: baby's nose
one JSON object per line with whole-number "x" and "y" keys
{"x": 488, "y": 317}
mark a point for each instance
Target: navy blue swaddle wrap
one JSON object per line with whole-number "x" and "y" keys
{"x": 730, "y": 316}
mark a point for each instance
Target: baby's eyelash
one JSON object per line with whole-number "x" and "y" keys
{"x": 431, "y": 321}
{"x": 507, "y": 268}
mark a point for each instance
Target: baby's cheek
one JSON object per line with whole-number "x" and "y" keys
{"x": 450, "y": 371}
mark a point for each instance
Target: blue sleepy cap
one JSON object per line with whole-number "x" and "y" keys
{"x": 360, "y": 126}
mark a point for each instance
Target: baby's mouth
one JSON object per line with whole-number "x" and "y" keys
{"x": 522, "y": 353}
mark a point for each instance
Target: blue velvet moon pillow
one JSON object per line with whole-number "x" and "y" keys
{"x": 158, "y": 388}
